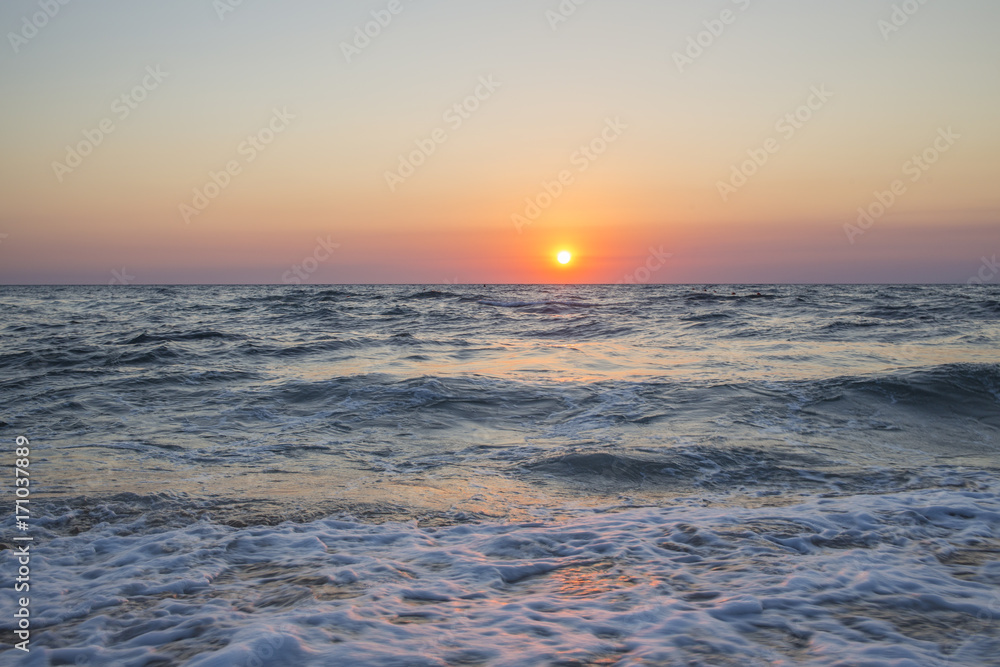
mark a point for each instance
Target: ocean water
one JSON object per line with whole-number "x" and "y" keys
{"x": 504, "y": 476}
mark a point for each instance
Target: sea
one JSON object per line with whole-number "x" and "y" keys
{"x": 503, "y": 476}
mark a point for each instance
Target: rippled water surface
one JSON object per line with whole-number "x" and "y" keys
{"x": 573, "y": 475}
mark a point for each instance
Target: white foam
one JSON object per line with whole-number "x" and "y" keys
{"x": 864, "y": 580}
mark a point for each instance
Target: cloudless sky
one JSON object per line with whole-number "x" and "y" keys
{"x": 314, "y": 204}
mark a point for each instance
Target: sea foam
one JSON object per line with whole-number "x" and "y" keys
{"x": 898, "y": 580}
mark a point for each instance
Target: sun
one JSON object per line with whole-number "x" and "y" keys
{"x": 564, "y": 257}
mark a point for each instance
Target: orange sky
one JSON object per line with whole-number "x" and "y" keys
{"x": 745, "y": 160}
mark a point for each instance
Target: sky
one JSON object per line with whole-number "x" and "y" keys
{"x": 469, "y": 141}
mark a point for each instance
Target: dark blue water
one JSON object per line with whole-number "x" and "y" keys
{"x": 404, "y": 384}
{"x": 155, "y": 410}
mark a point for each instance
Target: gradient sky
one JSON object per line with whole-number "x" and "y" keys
{"x": 656, "y": 187}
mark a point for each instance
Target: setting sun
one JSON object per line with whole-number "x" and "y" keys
{"x": 564, "y": 257}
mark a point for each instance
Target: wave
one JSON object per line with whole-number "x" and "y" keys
{"x": 587, "y": 329}
{"x": 707, "y": 317}
{"x": 535, "y": 304}
{"x": 895, "y": 578}
{"x": 182, "y": 336}
{"x": 301, "y": 349}
{"x": 724, "y": 295}
{"x": 333, "y": 295}
{"x": 857, "y": 323}
{"x": 689, "y": 467}
{"x": 961, "y": 389}
{"x": 432, "y": 294}
{"x": 152, "y": 357}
